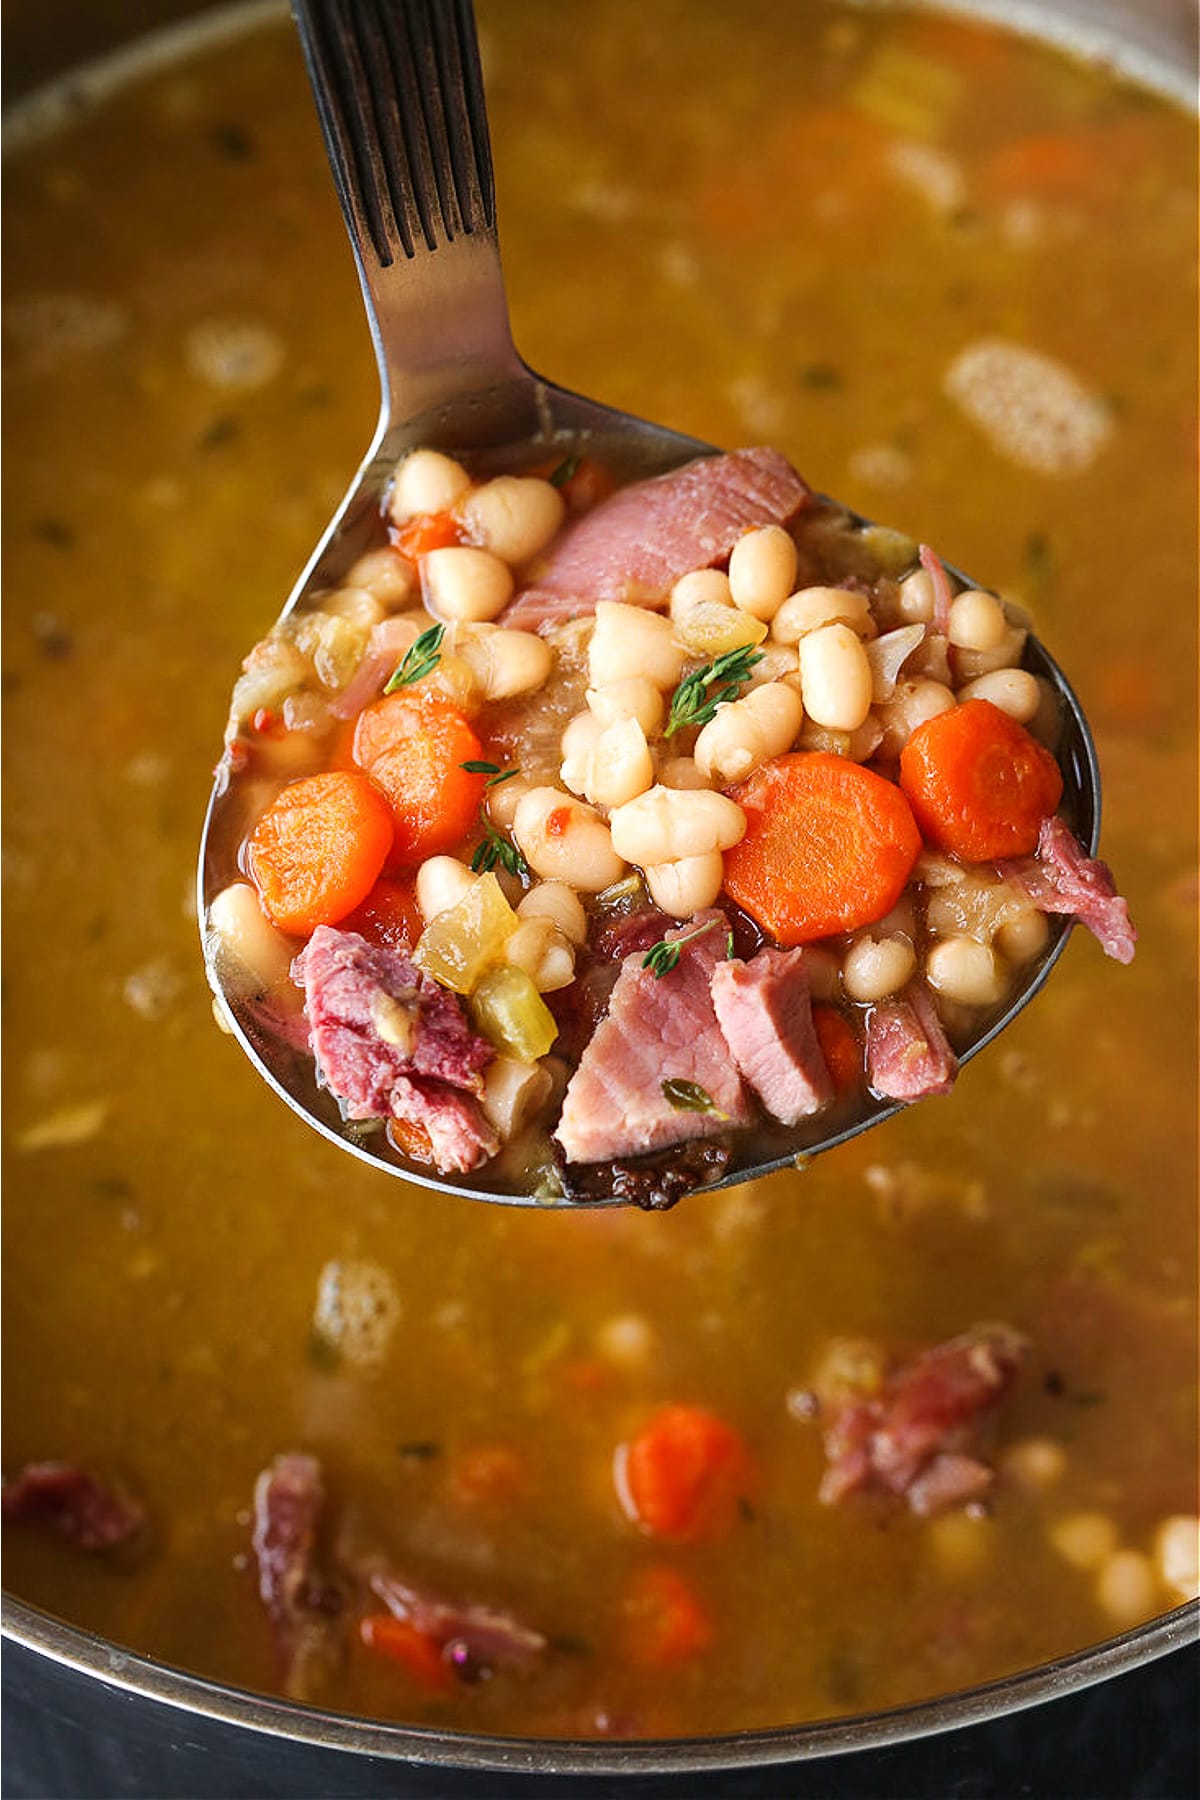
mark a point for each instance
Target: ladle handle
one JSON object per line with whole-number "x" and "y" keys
{"x": 399, "y": 93}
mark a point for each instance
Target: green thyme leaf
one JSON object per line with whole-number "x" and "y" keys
{"x": 495, "y": 774}
{"x": 662, "y": 957}
{"x": 699, "y": 694}
{"x": 567, "y": 467}
{"x": 729, "y": 947}
{"x": 420, "y": 660}
{"x": 689, "y": 1096}
{"x": 496, "y": 849}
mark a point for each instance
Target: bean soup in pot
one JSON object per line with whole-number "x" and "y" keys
{"x": 907, "y": 1420}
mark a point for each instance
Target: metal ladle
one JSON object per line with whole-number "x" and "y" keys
{"x": 399, "y": 92}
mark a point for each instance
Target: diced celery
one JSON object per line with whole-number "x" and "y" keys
{"x": 459, "y": 945}
{"x": 511, "y": 1014}
{"x": 711, "y": 629}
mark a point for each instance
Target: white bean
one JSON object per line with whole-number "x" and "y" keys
{"x": 442, "y": 881}
{"x": 669, "y": 823}
{"x": 357, "y": 605}
{"x": 749, "y": 731}
{"x": 629, "y": 641}
{"x": 977, "y": 621}
{"x": 387, "y": 575}
{"x": 877, "y": 966}
{"x": 912, "y": 703}
{"x": 700, "y": 587}
{"x": 620, "y": 766}
{"x": 1084, "y": 1539}
{"x": 687, "y": 886}
{"x": 1177, "y": 1553}
{"x": 514, "y": 516}
{"x": 634, "y": 698}
{"x": 1014, "y": 691}
{"x": 914, "y": 599}
{"x": 779, "y": 663}
{"x": 835, "y": 677}
{"x": 505, "y": 662}
{"x": 963, "y": 969}
{"x": 813, "y": 607}
{"x": 514, "y": 1093}
{"x": 539, "y": 948}
{"x": 247, "y": 935}
{"x": 855, "y": 746}
{"x": 1126, "y": 1587}
{"x": 503, "y": 799}
{"x": 463, "y": 583}
{"x": 1007, "y": 654}
{"x": 626, "y": 1339}
{"x": 425, "y": 482}
{"x": 580, "y": 737}
{"x": 555, "y": 901}
{"x": 762, "y": 570}
{"x": 823, "y": 970}
{"x": 563, "y": 840}
{"x": 1023, "y": 937}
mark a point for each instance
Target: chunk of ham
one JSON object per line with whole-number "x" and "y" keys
{"x": 765, "y": 1011}
{"x": 635, "y": 545}
{"x": 908, "y": 1053}
{"x": 1063, "y": 878}
{"x": 88, "y": 1512}
{"x": 656, "y": 1029}
{"x": 916, "y": 1435}
{"x": 473, "y": 1637}
{"x": 391, "y": 1043}
{"x": 300, "y": 1602}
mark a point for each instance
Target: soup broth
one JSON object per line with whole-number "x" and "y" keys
{"x": 951, "y": 275}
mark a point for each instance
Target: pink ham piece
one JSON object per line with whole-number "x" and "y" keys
{"x": 391, "y": 1043}
{"x": 473, "y": 1637}
{"x": 908, "y": 1053}
{"x": 765, "y": 1011}
{"x": 300, "y": 1603}
{"x": 635, "y": 545}
{"x": 656, "y": 1029}
{"x": 914, "y": 1437}
{"x": 1062, "y": 878}
{"x": 82, "y": 1509}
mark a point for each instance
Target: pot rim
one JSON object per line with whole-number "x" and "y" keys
{"x": 90, "y": 1655}
{"x": 1155, "y": 65}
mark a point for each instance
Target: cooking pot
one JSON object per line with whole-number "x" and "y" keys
{"x": 84, "y": 1717}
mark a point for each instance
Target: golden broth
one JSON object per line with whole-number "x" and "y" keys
{"x": 792, "y": 246}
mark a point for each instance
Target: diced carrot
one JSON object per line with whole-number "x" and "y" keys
{"x": 389, "y": 914}
{"x": 413, "y": 748}
{"x": 486, "y": 1475}
{"x": 683, "y": 1474}
{"x": 666, "y": 1622}
{"x": 418, "y": 1654}
{"x": 978, "y": 783}
{"x": 1048, "y": 162}
{"x": 587, "y": 1375}
{"x": 829, "y": 846}
{"x": 411, "y": 1140}
{"x": 588, "y": 484}
{"x": 317, "y": 851}
{"x": 426, "y": 532}
{"x": 839, "y": 1046}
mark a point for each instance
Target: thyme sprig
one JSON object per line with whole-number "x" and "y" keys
{"x": 662, "y": 957}
{"x": 420, "y": 660}
{"x": 689, "y": 1096}
{"x": 699, "y": 694}
{"x": 496, "y": 849}
{"x": 493, "y": 771}
{"x": 568, "y": 467}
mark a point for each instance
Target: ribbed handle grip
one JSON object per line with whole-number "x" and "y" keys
{"x": 399, "y": 92}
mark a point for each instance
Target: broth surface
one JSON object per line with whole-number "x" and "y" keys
{"x": 796, "y": 247}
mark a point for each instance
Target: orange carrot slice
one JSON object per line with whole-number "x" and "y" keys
{"x": 978, "y": 783}
{"x": 413, "y": 748}
{"x": 829, "y": 846}
{"x": 684, "y": 1473}
{"x": 317, "y": 851}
